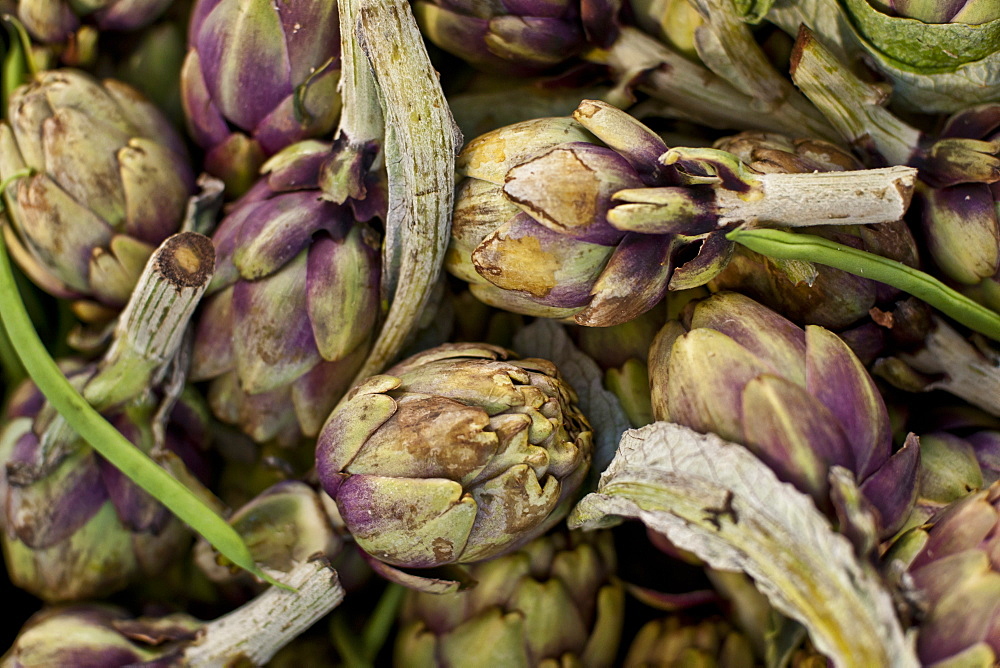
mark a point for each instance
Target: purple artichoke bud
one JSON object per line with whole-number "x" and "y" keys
{"x": 56, "y": 20}
{"x": 671, "y": 641}
{"x": 555, "y": 601}
{"x": 97, "y": 636}
{"x": 519, "y": 37}
{"x": 799, "y": 399}
{"x": 952, "y": 560}
{"x": 973, "y": 12}
{"x": 259, "y": 76}
{"x": 454, "y": 455}
{"x": 85, "y": 530}
{"x": 534, "y": 229}
{"x": 959, "y": 200}
{"x": 110, "y": 182}
{"x": 295, "y": 303}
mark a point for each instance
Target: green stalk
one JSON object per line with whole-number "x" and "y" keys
{"x": 107, "y": 440}
{"x": 810, "y": 248}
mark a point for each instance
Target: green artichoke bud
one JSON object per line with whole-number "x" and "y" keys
{"x": 454, "y": 455}
{"x": 553, "y": 602}
{"x": 799, "y": 399}
{"x": 670, "y": 643}
{"x": 952, "y": 563}
{"x": 284, "y": 526}
{"x": 109, "y": 182}
{"x": 85, "y": 530}
{"x": 622, "y": 352}
{"x": 98, "y": 636}
{"x": 296, "y": 299}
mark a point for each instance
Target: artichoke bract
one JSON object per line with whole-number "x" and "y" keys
{"x": 85, "y": 530}
{"x": 798, "y": 399}
{"x": 295, "y": 299}
{"x": 110, "y": 181}
{"x": 952, "y": 560}
{"x": 454, "y": 455}
{"x": 553, "y": 602}
{"x": 259, "y": 76}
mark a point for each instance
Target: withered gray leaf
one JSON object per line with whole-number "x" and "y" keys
{"x": 716, "y": 499}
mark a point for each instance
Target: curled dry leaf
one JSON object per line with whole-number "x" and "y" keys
{"x": 719, "y": 501}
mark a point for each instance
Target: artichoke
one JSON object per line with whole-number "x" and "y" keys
{"x": 553, "y": 602}
{"x": 517, "y": 37}
{"x": 296, "y": 299}
{"x": 454, "y": 455}
{"x": 259, "y": 76}
{"x": 957, "y": 11}
{"x": 670, "y": 642}
{"x": 953, "y": 566}
{"x": 57, "y": 20}
{"x": 98, "y": 636}
{"x": 284, "y": 526}
{"x": 109, "y": 182}
{"x": 534, "y": 229}
{"x": 800, "y": 400}
{"x": 84, "y": 529}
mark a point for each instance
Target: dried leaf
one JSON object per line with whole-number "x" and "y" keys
{"x": 718, "y": 500}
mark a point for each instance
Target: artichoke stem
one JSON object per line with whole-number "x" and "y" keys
{"x": 822, "y": 198}
{"x": 256, "y": 631}
{"x": 965, "y": 370}
{"x": 691, "y": 91}
{"x": 153, "y": 323}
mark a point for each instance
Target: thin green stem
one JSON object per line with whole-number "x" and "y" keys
{"x": 347, "y": 643}
{"x": 810, "y": 248}
{"x": 104, "y": 438}
{"x": 383, "y": 617}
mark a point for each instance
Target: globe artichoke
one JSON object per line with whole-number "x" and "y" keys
{"x": 57, "y": 20}
{"x": 800, "y": 400}
{"x": 84, "y": 529}
{"x": 555, "y": 601}
{"x": 259, "y": 76}
{"x": 670, "y": 641}
{"x": 454, "y": 455}
{"x": 109, "y": 181}
{"x": 97, "y": 636}
{"x": 953, "y": 566}
{"x": 284, "y": 526}
{"x": 962, "y": 11}
{"x": 533, "y": 231}
{"x": 517, "y": 37}
{"x": 296, "y": 299}
{"x": 594, "y": 218}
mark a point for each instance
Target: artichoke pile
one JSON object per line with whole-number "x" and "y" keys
{"x": 500, "y": 332}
